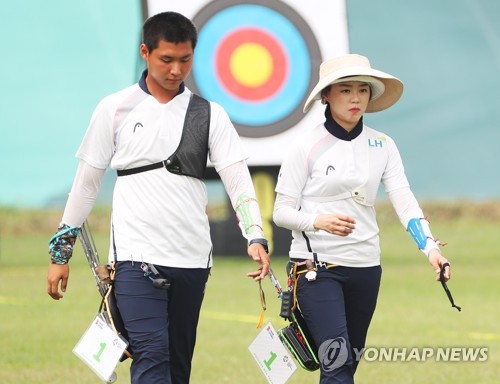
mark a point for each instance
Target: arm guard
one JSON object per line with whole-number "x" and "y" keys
{"x": 420, "y": 231}
{"x": 249, "y": 219}
{"x": 61, "y": 244}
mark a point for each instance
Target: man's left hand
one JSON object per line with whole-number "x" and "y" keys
{"x": 259, "y": 255}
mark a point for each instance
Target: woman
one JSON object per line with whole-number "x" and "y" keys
{"x": 326, "y": 188}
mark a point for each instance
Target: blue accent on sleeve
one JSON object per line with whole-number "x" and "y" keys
{"x": 66, "y": 229}
{"x": 417, "y": 232}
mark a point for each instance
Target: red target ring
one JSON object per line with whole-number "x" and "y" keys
{"x": 264, "y": 42}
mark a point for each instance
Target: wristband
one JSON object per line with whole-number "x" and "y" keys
{"x": 263, "y": 242}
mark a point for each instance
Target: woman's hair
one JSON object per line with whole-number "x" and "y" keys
{"x": 169, "y": 26}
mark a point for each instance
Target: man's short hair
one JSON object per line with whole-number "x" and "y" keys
{"x": 169, "y": 26}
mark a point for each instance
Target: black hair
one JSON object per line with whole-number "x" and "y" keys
{"x": 169, "y": 26}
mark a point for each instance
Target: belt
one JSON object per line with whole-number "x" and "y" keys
{"x": 306, "y": 265}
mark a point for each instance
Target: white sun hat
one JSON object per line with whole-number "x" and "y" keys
{"x": 385, "y": 89}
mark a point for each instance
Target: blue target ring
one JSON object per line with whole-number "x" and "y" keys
{"x": 219, "y": 22}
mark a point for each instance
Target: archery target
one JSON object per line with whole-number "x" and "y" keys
{"x": 255, "y": 59}
{"x": 260, "y": 60}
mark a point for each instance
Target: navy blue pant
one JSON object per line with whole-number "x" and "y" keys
{"x": 338, "y": 307}
{"x": 161, "y": 324}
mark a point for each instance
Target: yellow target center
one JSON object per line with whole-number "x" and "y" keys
{"x": 251, "y": 64}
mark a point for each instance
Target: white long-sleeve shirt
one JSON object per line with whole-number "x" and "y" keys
{"x": 158, "y": 217}
{"x": 318, "y": 168}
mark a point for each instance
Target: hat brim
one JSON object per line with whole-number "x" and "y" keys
{"x": 392, "y": 92}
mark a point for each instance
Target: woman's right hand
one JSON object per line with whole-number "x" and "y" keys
{"x": 335, "y": 224}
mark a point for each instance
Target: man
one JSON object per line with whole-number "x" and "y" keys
{"x": 157, "y": 135}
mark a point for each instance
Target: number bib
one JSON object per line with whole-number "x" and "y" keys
{"x": 271, "y": 356}
{"x": 100, "y": 348}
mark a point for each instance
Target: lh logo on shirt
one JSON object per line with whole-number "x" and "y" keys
{"x": 377, "y": 143}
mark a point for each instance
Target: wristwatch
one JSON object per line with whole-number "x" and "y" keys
{"x": 260, "y": 241}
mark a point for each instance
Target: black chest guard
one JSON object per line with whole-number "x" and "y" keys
{"x": 190, "y": 157}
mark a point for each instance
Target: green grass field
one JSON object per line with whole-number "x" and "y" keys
{"x": 37, "y": 334}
